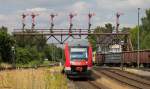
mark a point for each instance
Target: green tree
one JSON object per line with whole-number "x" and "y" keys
{"x": 6, "y": 42}
{"x": 108, "y": 28}
{"x": 133, "y": 35}
{"x": 146, "y": 21}
{"x": 22, "y": 56}
{"x": 125, "y": 29}
{"x": 48, "y": 52}
{"x": 144, "y": 33}
{"x": 53, "y": 53}
{"x": 27, "y": 55}
{"x": 32, "y": 47}
{"x": 30, "y": 41}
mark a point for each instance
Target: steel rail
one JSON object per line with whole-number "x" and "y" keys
{"x": 94, "y": 85}
{"x": 109, "y": 74}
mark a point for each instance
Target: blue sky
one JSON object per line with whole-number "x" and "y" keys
{"x": 11, "y": 10}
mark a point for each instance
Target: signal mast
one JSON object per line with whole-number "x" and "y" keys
{"x": 33, "y": 15}
{"x": 23, "y": 21}
{"x": 89, "y": 21}
{"x": 52, "y": 22}
{"x": 117, "y": 21}
{"x": 71, "y": 15}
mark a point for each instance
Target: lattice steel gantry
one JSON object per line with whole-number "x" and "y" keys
{"x": 64, "y": 34}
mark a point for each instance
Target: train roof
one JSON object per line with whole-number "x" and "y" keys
{"x": 77, "y": 42}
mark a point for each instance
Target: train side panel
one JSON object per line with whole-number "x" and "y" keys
{"x": 129, "y": 57}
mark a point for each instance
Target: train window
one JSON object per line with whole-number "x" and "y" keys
{"x": 78, "y": 53}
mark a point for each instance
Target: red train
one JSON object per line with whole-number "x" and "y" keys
{"x": 78, "y": 59}
{"x": 129, "y": 58}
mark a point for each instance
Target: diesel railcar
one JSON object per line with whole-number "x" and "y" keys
{"x": 78, "y": 59}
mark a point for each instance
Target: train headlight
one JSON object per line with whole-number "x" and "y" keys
{"x": 71, "y": 62}
{"x": 86, "y": 62}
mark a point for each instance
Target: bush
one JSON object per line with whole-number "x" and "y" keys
{"x": 27, "y": 55}
{"x": 22, "y": 56}
{"x": 6, "y": 42}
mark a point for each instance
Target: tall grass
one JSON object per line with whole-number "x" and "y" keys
{"x": 44, "y": 78}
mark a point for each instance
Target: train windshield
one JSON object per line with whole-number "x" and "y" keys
{"x": 79, "y": 53}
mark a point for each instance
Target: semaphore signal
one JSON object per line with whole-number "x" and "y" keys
{"x": 117, "y": 21}
{"x": 90, "y": 15}
{"x": 61, "y": 35}
{"x": 71, "y": 16}
{"x": 52, "y": 21}
{"x": 33, "y": 15}
{"x": 23, "y": 20}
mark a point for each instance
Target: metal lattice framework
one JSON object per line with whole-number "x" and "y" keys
{"x": 62, "y": 35}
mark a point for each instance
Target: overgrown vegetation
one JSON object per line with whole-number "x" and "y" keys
{"x": 28, "y": 50}
{"x": 6, "y": 42}
{"x": 33, "y": 50}
{"x": 47, "y": 78}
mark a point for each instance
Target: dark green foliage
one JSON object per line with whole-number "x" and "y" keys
{"x": 27, "y": 55}
{"x": 125, "y": 29}
{"x": 145, "y": 44}
{"x": 146, "y": 21}
{"x": 108, "y": 28}
{"x": 6, "y": 42}
{"x": 145, "y": 31}
{"x": 22, "y": 55}
{"x": 33, "y": 49}
{"x": 53, "y": 53}
{"x": 30, "y": 49}
{"x": 48, "y": 52}
{"x": 30, "y": 41}
{"x": 133, "y": 35}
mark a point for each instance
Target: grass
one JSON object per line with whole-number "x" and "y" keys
{"x": 30, "y": 64}
{"x": 44, "y": 78}
{"x": 5, "y": 65}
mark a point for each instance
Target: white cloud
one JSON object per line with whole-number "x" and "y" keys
{"x": 80, "y": 6}
{"x": 36, "y": 9}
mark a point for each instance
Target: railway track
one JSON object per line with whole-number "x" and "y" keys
{"x": 97, "y": 85}
{"x": 90, "y": 83}
{"x": 87, "y": 84}
{"x": 146, "y": 77}
{"x": 125, "y": 78}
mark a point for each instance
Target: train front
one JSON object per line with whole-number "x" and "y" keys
{"x": 78, "y": 60}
